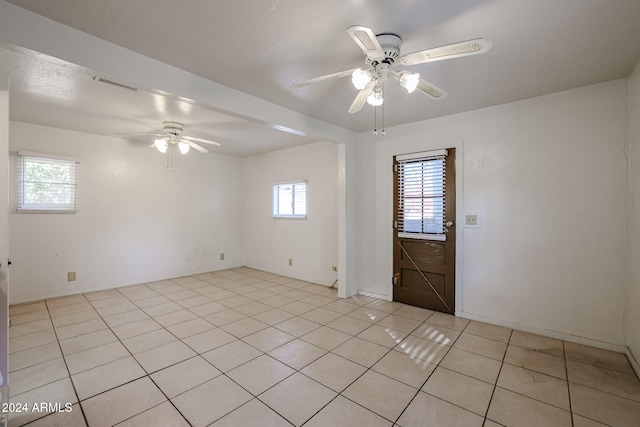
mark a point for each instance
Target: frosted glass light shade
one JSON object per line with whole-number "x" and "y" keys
{"x": 375, "y": 99}
{"x": 183, "y": 147}
{"x": 360, "y": 78}
{"x": 409, "y": 81}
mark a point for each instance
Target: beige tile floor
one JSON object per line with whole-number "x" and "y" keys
{"x": 242, "y": 347}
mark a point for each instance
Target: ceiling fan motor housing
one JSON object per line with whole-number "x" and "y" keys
{"x": 173, "y": 128}
{"x": 390, "y": 44}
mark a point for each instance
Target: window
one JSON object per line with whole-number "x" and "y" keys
{"x": 421, "y": 193}
{"x": 45, "y": 183}
{"x": 290, "y": 200}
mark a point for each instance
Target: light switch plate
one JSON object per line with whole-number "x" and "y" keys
{"x": 472, "y": 220}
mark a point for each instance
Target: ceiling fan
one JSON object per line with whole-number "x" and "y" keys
{"x": 172, "y": 135}
{"x": 382, "y": 52}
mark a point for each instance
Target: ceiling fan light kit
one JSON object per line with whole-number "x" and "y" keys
{"x": 381, "y": 52}
{"x": 161, "y": 145}
{"x": 360, "y": 78}
{"x": 183, "y": 147}
{"x": 172, "y": 135}
{"x": 408, "y": 80}
{"x": 375, "y": 97}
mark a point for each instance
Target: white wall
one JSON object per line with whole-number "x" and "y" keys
{"x": 548, "y": 176}
{"x": 312, "y": 243}
{"x": 632, "y": 326}
{"x": 137, "y": 222}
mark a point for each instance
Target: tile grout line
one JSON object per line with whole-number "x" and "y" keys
{"x": 298, "y": 370}
{"x": 120, "y": 341}
{"x": 109, "y": 327}
{"x": 566, "y": 372}
{"x": 242, "y": 364}
{"x": 450, "y": 347}
{"x": 148, "y": 375}
{"x": 131, "y": 354}
{"x": 66, "y": 365}
{"x": 200, "y": 355}
{"x": 428, "y": 376}
{"x": 391, "y": 349}
{"x": 368, "y": 368}
{"x": 461, "y": 373}
{"x": 495, "y": 386}
{"x": 321, "y": 324}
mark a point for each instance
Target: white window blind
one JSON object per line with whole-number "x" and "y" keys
{"x": 290, "y": 200}
{"x": 45, "y": 183}
{"x": 421, "y": 193}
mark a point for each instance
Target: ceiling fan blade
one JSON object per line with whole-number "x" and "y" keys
{"x": 141, "y": 134}
{"x": 204, "y": 141}
{"x": 366, "y": 39}
{"x": 455, "y": 50}
{"x": 361, "y": 98}
{"x": 431, "y": 90}
{"x": 333, "y": 76}
{"x": 194, "y": 146}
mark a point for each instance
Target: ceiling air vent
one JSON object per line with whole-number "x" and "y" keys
{"x": 114, "y": 83}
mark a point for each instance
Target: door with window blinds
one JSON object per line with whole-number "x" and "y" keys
{"x": 424, "y": 230}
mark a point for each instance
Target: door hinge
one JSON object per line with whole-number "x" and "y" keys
{"x": 395, "y": 224}
{"x": 395, "y": 167}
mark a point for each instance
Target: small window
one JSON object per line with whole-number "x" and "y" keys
{"x": 421, "y": 193}
{"x": 45, "y": 184}
{"x": 290, "y": 200}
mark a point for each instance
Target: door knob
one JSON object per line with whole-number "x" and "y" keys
{"x": 448, "y": 224}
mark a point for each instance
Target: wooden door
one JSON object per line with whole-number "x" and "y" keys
{"x": 424, "y": 230}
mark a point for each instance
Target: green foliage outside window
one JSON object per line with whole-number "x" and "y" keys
{"x": 47, "y": 184}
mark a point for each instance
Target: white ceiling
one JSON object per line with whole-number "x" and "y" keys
{"x": 54, "y": 93}
{"x": 261, "y": 47}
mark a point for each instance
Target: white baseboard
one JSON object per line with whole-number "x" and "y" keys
{"x": 375, "y": 295}
{"x": 634, "y": 362}
{"x": 619, "y": 348}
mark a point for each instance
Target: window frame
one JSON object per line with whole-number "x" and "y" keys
{"x": 22, "y": 206}
{"x": 275, "y": 214}
{"x": 421, "y": 159}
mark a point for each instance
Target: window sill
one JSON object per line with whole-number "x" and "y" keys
{"x": 50, "y": 211}
{"x": 289, "y": 216}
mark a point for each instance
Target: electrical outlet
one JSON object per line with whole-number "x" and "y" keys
{"x": 71, "y": 276}
{"x": 222, "y": 257}
{"x": 290, "y": 262}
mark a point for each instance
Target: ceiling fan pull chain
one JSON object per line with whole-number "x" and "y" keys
{"x": 170, "y": 157}
{"x": 383, "y": 132}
